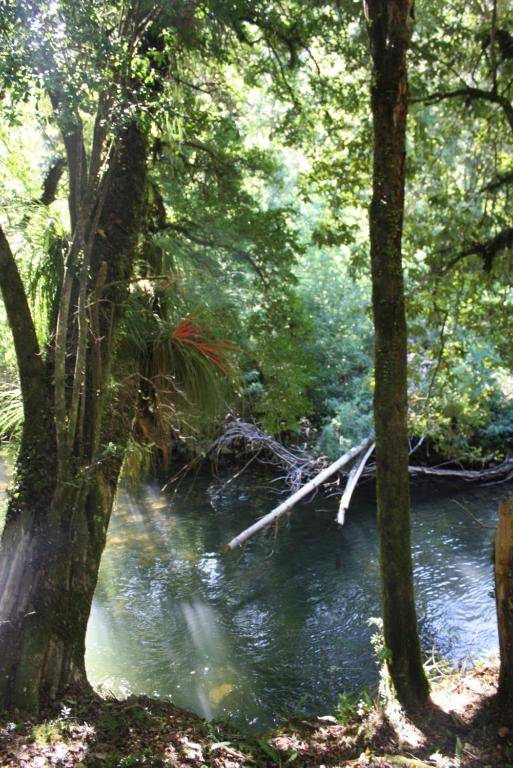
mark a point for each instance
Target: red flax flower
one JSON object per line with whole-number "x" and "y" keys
{"x": 189, "y": 332}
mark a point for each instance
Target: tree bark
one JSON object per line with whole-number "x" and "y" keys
{"x": 48, "y": 573}
{"x": 389, "y": 34}
{"x": 31, "y": 368}
{"x": 504, "y": 599}
{"x": 56, "y": 526}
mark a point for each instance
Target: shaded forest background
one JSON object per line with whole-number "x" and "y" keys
{"x": 259, "y": 188}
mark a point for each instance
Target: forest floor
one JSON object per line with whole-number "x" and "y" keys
{"x": 465, "y": 729}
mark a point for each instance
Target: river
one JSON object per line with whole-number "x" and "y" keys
{"x": 282, "y": 626}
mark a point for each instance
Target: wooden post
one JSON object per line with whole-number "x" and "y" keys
{"x": 504, "y": 596}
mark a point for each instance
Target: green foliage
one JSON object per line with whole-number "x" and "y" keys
{"x": 184, "y": 378}
{"x": 436, "y": 666}
{"x": 273, "y": 756}
{"x": 350, "y": 423}
{"x": 498, "y": 429}
{"x": 337, "y": 302}
{"x": 382, "y": 657}
{"x": 11, "y": 412}
{"x": 118, "y": 723}
{"x": 280, "y": 343}
{"x": 350, "y": 706}
{"x": 269, "y": 751}
{"x": 48, "y": 732}
{"x": 257, "y": 211}
{"x": 213, "y": 230}
{"x": 457, "y": 400}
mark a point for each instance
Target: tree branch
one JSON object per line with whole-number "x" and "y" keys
{"x": 210, "y": 242}
{"x": 30, "y": 365}
{"x": 472, "y": 94}
{"x": 500, "y": 181}
{"x": 72, "y": 131}
{"x": 51, "y": 181}
{"x": 487, "y": 249}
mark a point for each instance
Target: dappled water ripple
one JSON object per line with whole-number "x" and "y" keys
{"x": 282, "y": 626}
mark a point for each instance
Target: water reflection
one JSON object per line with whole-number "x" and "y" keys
{"x": 282, "y": 626}
{"x": 218, "y": 679}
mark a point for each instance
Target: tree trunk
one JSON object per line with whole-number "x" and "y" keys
{"x": 504, "y": 599}
{"x": 49, "y": 566}
{"x": 389, "y": 35}
{"x": 55, "y": 531}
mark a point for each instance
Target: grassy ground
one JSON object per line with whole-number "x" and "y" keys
{"x": 465, "y": 728}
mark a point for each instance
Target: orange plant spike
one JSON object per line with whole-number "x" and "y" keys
{"x": 188, "y": 332}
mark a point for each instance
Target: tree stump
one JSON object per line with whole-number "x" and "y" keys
{"x": 504, "y": 596}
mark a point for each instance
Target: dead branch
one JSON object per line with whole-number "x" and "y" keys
{"x": 472, "y": 515}
{"x": 468, "y": 475}
{"x": 287, "y": 505}
{"x": 298, "y": 467}
{"x": 352, "y": 482}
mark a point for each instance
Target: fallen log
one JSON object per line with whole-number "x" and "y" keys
{"x": 305, "y": 490}
{"x": 500, "y": 472}
{"x": 352, "y": 482}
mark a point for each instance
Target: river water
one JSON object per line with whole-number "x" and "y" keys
{"x": 281, "y": 627}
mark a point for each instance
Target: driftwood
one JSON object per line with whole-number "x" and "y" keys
{"x": 297, "y": 466}
{"x": 305, "y": 490}
{"x": 501, "y": 473}
{"x": 352, "y": 482}
{"x": 305, "y": 474}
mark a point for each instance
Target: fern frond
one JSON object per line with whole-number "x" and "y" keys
{"x": 11, "y": 411}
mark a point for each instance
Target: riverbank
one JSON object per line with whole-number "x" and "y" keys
{"x": 297, "y": 458}
{"x": 465, "y": 729}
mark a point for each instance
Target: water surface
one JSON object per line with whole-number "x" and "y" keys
{"x": 280, "y": 627}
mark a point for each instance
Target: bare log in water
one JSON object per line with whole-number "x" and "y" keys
{"x": 305, "y": 474}
{"x": 305, "y": 490}
{"x": 501, "y": 473}
{"x": 352, "y": 482}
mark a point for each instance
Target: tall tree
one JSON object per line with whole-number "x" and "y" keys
{"x": 116, "y": 80}
{"x": 66, "y": 474}
{"x": 102, "y": 68}
{"x": 504, "y": 599}
{"x": 389, "y": 24}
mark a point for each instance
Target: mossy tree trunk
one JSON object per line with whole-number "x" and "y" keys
{"x": 504, "y": 600}
{"x": 62, "y": 499}
{"x": 389, "y": 33}
{"x": 48, "y": 570}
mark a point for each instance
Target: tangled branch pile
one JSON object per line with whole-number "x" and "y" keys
{"x": 249, "y": 439}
